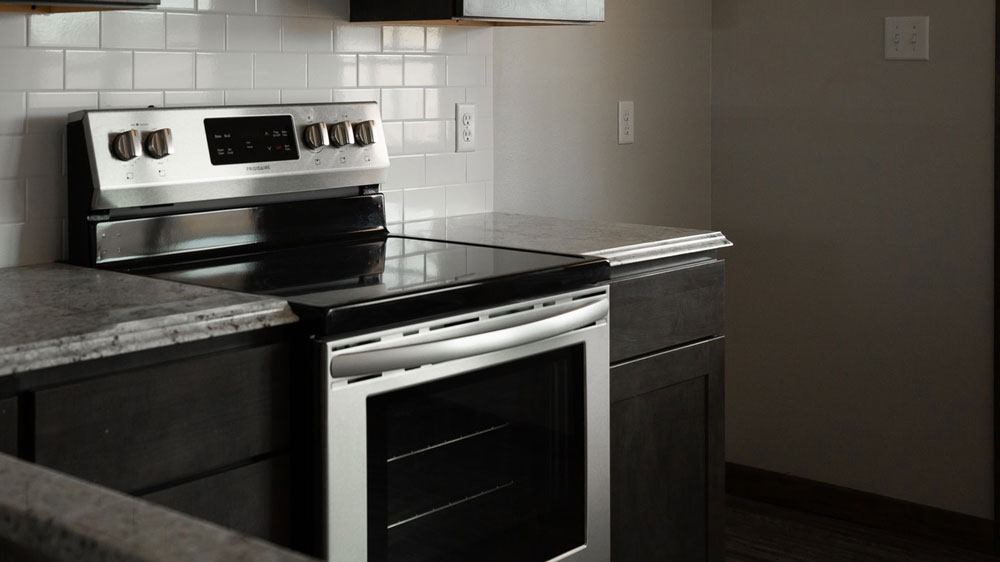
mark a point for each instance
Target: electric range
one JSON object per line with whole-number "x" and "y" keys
{"x": 461, "y": 390}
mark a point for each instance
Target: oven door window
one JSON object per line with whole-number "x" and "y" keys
{"x": 488, "y": 466}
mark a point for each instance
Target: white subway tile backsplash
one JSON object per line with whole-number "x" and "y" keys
{"x": 230, "y": 6}
{"x": 46, "y": 198}
{"x": 380, "y": 70}
{"x": 447, "y": 39}
{"x": 307, "y": 35}
{"x": 306, "y": 96}
{"x": 10, "y": 156}
{"x": 480, "y": 41}
{"x": 402, "y": 38}
{"x": 424, "y": 137}
{"x": 283, "y": 7}
{"x": 393, "y": 137}
{"x": 482, "y": 96}
{"x": 12, "y": 207}
{"x": 214, "y": 52}
{"x": 65, "y": 30}
{"x": 133, "y": 30}
{"x": 253, "y": 33}
{"x": 444, "y": 169}
{"x": 12, "y": 113}
{"x": 13, "y": 30}
{"x": 224, "y": 71}
{"x": 10, "y": 244}
{"x": 402, "y": 104}
{"x": 357, "y": 39}
{"x": 393, "y": 206}
{"x": 188, "y": 99}
{"x": 333, "y": 71}
{"x": 425, "y": 70}
{"x": 466, "y": 70}
{"x": 118, "y": 100}
{"x": 405, "y": 171}
{"x": 42, "y": 154}
{"x": 425, "y": 203}
{"x": 480, "y": 166}
{"x": 280, "y": 70}
{"x": 440, "y": 102}
{"x": 31, "y": 69}
{"x": 466, "y": 199}
{"x": 197, "y": 32}
{"x": 356, "y": 95}
{"x": 252, "y": 97}
{"x": 48, "y": 111}
{"x": 98, "y": 70}
{"x": 176, "y": 4}
{"x": 163, "y": 70}
{"x": 42, "y": 242}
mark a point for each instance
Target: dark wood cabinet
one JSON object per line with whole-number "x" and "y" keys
{"x": 8, "y": 426}
{"x": 201, "y": 428}
{"x": 251, "y": 499}
{"x": 667, "y": 416}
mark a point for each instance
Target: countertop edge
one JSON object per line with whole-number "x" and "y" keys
{"x": 648, "y": 251}
{"x": 52, "y": 514}
{"x": 142, "y": 335}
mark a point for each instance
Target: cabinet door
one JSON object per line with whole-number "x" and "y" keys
{"x": 667, "y": 456}
{"x": 252, "y": 499}
{"x": 8, "y": 426}
{"x": 149, "y": 427}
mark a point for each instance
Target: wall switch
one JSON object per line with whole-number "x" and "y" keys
{"x": 626, "y": 122}
{"x": 908, "y": 38}
{"x": 465, "y": 127}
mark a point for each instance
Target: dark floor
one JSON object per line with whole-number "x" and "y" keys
{"x": 757, "y": 532}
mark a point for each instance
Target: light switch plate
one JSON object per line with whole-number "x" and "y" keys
{"x": 908, "y": 38}
{"x": 465, "y": 127}
{"x": 626, "y": 122}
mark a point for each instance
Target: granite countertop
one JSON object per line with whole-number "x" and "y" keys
{"x": 619, "y": 243}
{"x": 51, "y": 516}
{"x": 58, "y": 314}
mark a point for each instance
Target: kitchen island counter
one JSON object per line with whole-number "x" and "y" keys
{"x": 619, "y": 243}
{"x": 59, "y": 314}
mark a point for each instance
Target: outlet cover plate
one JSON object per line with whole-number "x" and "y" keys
{"x": 626, "y": 122}
{"x": 908, "y": 38}
{"x": 465, "y": 127}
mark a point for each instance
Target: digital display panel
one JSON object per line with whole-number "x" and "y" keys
{"x": 243, "y": 140}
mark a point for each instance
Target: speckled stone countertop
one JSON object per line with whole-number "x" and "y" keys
{"x": 58, "y": 314}
{"x": 45, "y": 515}
{"x": 619, "y": 243}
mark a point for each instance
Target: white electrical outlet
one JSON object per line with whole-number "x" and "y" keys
{"x": 908, "y": 38}
{"x": 626, "y": 122}
{"x": 465, "y": 127}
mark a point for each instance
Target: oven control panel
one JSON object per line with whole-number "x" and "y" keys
{"x": 160, "y": 156}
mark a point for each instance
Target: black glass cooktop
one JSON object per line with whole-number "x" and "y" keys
{"x": 337, "y": 287}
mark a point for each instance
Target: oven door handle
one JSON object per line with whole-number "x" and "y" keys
{"x": 351, "y": 363}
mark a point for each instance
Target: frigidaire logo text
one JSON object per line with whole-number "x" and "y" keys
{"x": 258, "y": 168}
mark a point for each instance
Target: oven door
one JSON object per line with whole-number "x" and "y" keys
{"x": 479, "y": 437}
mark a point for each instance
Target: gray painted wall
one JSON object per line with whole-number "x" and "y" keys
{"x": 556, "y": 93}
{"x": 859, "y": 194}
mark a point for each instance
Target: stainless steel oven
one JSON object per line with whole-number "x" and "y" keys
{"x": 480, "y": 436}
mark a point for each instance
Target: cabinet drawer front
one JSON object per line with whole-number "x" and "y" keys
{"x": 149, "y": 427}
{"x": 253, "y": 500}
{"x": 666, "y": 309}
{"x": 8, "y": 426}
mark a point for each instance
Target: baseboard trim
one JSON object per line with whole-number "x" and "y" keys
{"x": 847, "y": 504}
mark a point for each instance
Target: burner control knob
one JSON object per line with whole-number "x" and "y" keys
{"x": 317, "y": 137}
{"x": 365, "y": 132}
{"x": 127, "y": 146}
{"x": 160, "y": 144}
{"x": 341, "y": 134}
